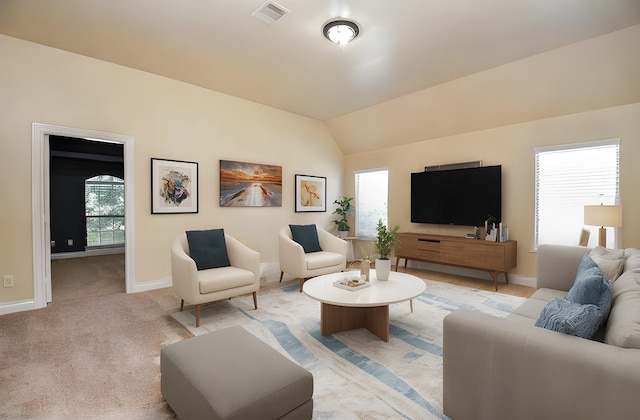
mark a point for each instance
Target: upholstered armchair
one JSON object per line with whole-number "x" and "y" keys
{"x": 241, "y": 275}
{"x": 329, "y": 257}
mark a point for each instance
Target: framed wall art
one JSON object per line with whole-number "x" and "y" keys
{"x": 244, "y": 184}
{"x": 311, "y": 193}
{"x": 174, "y": 186}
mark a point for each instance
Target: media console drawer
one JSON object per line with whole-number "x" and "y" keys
{"x": 494, "y": 257}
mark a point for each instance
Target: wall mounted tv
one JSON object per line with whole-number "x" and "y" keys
{"x": 457, "y": 196}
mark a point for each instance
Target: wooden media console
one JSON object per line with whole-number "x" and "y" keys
{"x": 493, "y": 257}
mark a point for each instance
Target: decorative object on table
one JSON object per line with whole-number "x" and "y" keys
{"x": 490, "y": 228}
{"x": 584, "y": 237}
{"x": 244, "y": 184}
{"x": 386, "y": 240}
{"x": 352, "y": 283}
{"x": 365, "y": 268}
{"x": 602, "y": 216}
{"x": 344, "y": 209}
{"x": 311, "y": 193}
{"x": 174, "y": 186}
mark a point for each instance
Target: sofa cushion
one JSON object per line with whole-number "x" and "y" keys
{"x": 532, "y": 307}
{"x": 631, "y": 259}
{"x": 591, "y": 287}
{"x": 208, "y": 248}
{"x": 571, "y": 318}
{"x": 623, "y": 326}
{"x": 322, "y": 259}
{"x": 610, "y": 261}
{"x": 224, "y": 278}
{"x": 307, "y": 236}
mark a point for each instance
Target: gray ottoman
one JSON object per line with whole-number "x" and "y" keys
{"x": 231, "y": 374}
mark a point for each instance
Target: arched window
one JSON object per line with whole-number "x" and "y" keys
{"x": 104, "y": 209}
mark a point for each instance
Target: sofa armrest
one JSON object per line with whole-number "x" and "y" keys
{"x": 291, "y": 254}
{"x": 331, "y": 243}
{"x": 496, "y": 368}
{"x": 241, "y": 256}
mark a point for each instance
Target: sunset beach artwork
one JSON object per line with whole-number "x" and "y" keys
{"x": 244, "y": 184}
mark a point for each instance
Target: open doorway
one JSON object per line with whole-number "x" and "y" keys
{"x": 87, "y": 217}
{"x": 43, "y": 135}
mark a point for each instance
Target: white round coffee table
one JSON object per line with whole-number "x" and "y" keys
{"x": 343, "y": 310}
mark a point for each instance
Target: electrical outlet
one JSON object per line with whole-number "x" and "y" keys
{"x": 7, "y": 280}
{"x": 69, "y": 242}
{"x": 53, "y": 244}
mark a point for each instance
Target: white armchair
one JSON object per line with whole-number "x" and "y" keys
{"x": 204, "y": 286}
{"x": 294, "y": 261}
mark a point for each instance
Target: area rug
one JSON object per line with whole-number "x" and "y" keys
{"x": 357, "y": 375}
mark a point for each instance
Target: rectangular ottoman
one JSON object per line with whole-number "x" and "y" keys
{"x": 231, "y": 374}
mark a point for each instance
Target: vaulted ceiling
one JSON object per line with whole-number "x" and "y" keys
{"x": 404, "y": 46}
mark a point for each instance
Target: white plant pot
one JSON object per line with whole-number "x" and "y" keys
{"x": 343, "y": 233}
{"x": 383, "y": 268}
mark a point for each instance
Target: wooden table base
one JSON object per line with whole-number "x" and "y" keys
{"x": 335, "y": 319}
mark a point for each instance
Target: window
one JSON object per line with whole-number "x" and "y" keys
{"x": 569, "y": 177}
{"x": 104, "y": 209}
{"x": 371, "y": 200}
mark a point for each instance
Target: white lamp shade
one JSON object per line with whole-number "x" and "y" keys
{"x": 603, "y": 215}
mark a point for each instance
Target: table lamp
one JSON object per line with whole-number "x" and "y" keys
{"x": 603, "y": 216}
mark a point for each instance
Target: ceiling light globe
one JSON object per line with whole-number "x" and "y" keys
{"x": 341, "y": 31}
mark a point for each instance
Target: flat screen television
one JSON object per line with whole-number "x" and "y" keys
{"x": 463, "y": 197}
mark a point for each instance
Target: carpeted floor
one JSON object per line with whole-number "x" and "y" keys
{"x": 357, "y": 375}
{"x": 93, "y": 353}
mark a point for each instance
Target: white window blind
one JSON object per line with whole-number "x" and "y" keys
{"x": 372, "y": 189}
{"x": 569, "y": 177}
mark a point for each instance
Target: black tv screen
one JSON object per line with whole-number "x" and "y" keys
{"x": 457, "y": 197}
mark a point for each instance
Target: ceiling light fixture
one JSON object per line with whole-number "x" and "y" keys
{"x": 341, "y": 31}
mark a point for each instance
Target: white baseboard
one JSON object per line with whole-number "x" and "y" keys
{"x": 18, "y": 306}
{"x": 152, "y": 285}
{"x": 88, "y": 253}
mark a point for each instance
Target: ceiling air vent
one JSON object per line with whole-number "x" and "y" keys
{"x": 269, "y": 12}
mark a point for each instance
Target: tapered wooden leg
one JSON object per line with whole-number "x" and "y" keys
{"x": 198, "y": 315}
{"x": 255, "y": 300}
{"x": 301, "y": 283}
{"x": 281, "y": 274}
{"x": 181, "y": 304}
{"x": 411, "y": 304}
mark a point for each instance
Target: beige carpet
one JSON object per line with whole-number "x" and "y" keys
{"x": 93, "y": 353}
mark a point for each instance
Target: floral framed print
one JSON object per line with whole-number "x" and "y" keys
{"x": 311, "y": 193}
{"x": 174, "y": 186}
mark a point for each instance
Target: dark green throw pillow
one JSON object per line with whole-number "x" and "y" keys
{"x": 208, "y": 248}
{"x": 307, "y": 236}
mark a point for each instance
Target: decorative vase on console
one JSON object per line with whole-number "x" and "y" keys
{"x": 386, "y": 239}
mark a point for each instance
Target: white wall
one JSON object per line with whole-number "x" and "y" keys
{"x": 168, "y": 119}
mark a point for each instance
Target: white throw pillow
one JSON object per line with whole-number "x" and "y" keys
{"x": 631, "y": 259}
{"x": 610, "y": 261}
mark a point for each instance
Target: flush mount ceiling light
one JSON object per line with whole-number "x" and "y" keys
{"x": 341, "y": 31}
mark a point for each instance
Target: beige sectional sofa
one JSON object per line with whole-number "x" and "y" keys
{"x": 507, "y": 368}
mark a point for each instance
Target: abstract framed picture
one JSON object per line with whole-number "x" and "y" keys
{"x": 311, "y": 193}
{"x": 174, "y": 186}
{"x": 244, "y": 184}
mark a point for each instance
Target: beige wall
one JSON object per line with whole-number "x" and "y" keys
{"x": 513, "y": 148}
{"x": 167, "y": 119}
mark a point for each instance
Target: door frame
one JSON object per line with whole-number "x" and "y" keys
{"x": 40, "y": 204}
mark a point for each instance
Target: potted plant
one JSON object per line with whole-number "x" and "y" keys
{"x": 344, "y": 208}
{"x": 386, "y": 240}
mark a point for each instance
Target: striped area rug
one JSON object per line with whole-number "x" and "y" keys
{"x": 356, "y": 375}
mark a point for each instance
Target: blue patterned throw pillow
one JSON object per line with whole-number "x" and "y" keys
{"x": 591, "y": 286}
{"x": 571, "y": 318}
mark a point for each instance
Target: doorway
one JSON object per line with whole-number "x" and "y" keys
{"x": 41, "y": 212}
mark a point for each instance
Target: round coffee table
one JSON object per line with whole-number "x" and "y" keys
{"x": 343, "y": 310}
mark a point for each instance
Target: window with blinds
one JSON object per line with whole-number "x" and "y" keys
{"x": 568, "y": 177}
{"x": 104, "y": 210}
{"x": 372, "y": 188}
